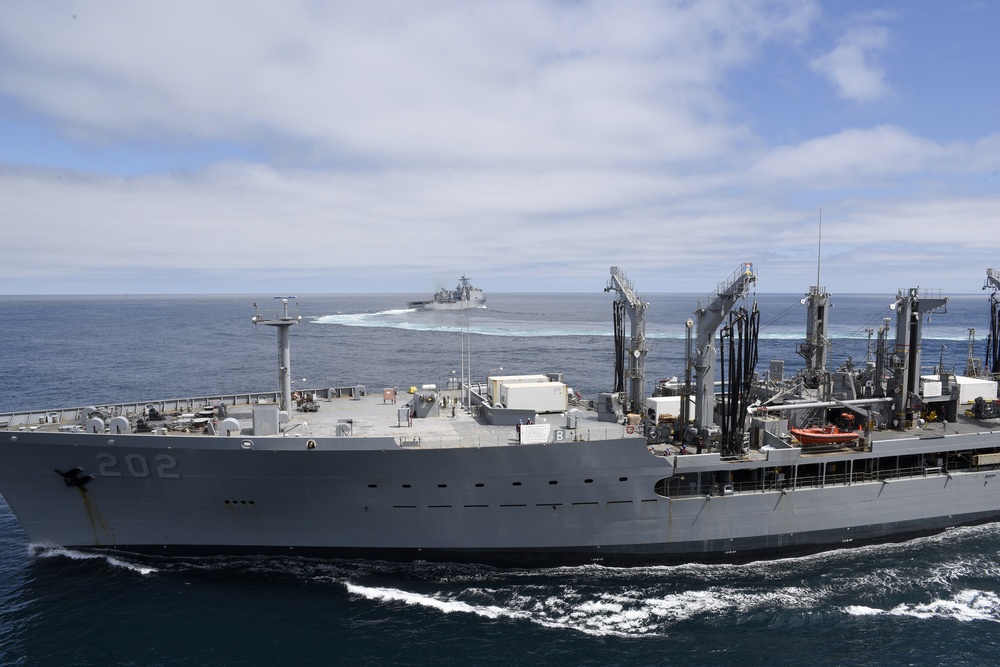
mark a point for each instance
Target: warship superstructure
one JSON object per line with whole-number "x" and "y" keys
{"x": 724, "y": 465}
{"x": 463, "y": 297}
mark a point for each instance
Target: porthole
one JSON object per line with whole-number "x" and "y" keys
{"x": 515, "y": 484}
{"x": 623, "y": 479}
{"x": 588, "y": 481}
{"x": 480, "y": 485}
{"x": 552, "y": 481}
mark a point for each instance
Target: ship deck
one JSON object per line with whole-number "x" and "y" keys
{"x": 378, "y": 415}
{"x": 365, "y": 414}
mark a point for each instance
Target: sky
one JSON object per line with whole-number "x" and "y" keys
{"x": 242, "y": 146}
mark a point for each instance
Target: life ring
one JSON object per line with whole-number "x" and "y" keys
{"x": 630, "y": 429}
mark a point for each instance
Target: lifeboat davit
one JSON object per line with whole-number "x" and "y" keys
{"x": 825, "y": 435}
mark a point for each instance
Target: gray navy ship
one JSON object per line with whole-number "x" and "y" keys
{"x": 463, "y": 297}
{"x": 729, "y": 463}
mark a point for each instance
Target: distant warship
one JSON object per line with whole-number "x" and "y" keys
{"x": 462, "y": 297}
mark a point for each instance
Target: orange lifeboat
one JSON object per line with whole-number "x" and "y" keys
{"x": 824, "y": 435}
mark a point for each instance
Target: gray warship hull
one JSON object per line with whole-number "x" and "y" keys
{"x": 614, "y": 501}
{"x": 462, "y": 304}
{"x": 517, "y": 470}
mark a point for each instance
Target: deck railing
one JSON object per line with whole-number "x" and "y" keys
{"x": 683, "y": 488}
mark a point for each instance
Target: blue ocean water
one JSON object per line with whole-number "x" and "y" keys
{"x": 922, "y": 602}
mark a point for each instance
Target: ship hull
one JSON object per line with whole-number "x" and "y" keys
{"x": 526, "y": 506}
{"x": 455, "y": 305}
{"x": 465, "y": 304}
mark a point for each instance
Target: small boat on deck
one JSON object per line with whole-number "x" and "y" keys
{"x": 825, "y": 435}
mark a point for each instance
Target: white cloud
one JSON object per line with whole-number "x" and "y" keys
{"x": 234, "y": 225}
{"x": 852, "y": 157}
{"x": 427, "y": 82}
{"x": 852, "y": 64}
{"x": 527, "y": 143}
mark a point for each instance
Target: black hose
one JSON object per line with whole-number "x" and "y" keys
{"x": 741, "y": 336}
{"x": 993, "y": 339}
{"x": 619, "y": 315}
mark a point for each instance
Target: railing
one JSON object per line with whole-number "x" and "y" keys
{"x": 724, "y": 287}
{"x": 505, "y": 437}
{"x": 14, "y": 420}
{"x": 75, "y": 415}
{"x": 683, "y": 488}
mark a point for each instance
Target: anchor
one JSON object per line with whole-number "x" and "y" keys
{"x": 74, "y": 478}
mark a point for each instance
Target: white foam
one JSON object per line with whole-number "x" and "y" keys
{"x": 859, "y": 610}
{"x": 598, "y": 600}
{"x": 629, "y": 613}
{"x": 966, "y": 605}
{"x": 51, "y": 551}
{"x": 445, "y": 606}
{"x": 390, "y": 320}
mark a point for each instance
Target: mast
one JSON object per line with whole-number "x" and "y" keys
{"x": 282, "y": 323}
{"x": 814, "y": 349}
{"x": 819, "y": 246}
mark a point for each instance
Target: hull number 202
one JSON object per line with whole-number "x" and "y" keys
{"x": 163, "y": 466}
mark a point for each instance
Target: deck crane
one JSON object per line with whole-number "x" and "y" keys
{"x": 634, "y": 355}
{"x": 710, "y": 314}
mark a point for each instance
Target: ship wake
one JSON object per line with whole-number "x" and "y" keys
{"x": 918, "y": 579}
{"x": 51, "y": 551}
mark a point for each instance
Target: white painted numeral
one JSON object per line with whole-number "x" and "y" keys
{"x": 108, "y": 461}
{"x": 137, "y": 466}
{"x": 167, "y": 464}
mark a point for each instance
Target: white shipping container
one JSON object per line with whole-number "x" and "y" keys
{"x": 496, "y": 381}
{"x": 537, "y": 396}
{"x": 668, "y": 405}
{"x": 930, "y": 388}
{"x": 969, "y": 389}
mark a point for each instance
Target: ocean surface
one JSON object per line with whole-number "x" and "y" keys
{"x": 928, "y": 601}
